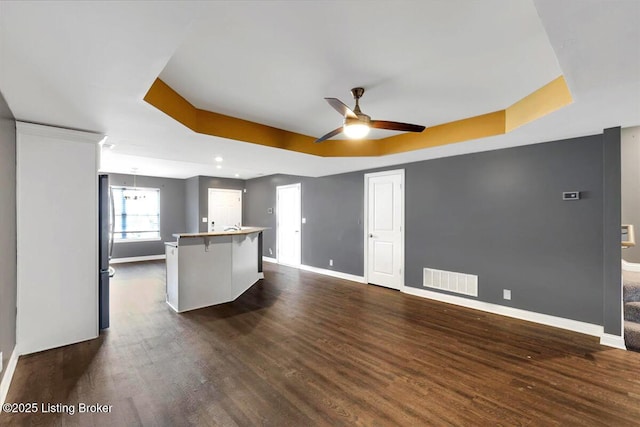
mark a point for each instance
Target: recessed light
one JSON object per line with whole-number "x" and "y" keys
{"x": 218, "y": 167}
{"x": 237, "y": 175}
{"x": 219, "y": 159}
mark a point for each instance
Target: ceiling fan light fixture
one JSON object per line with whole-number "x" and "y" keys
{"x": 356, "y": 131}
{"x": 356, "y": 128}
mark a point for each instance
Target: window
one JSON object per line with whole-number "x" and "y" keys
{"x": 136, "y": 213}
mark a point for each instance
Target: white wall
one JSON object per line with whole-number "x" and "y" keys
{"x": 57, "y": 226}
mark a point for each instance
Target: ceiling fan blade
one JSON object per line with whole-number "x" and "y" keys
{"x": 341, "y": 108}
{"x": 329, "y": 135}
{"x": 404, "y": 127}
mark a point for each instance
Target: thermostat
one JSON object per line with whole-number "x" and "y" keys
{"x": 571, "y": 195}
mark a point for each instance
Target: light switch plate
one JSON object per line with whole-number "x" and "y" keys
{"x": 204, "y": 219}
{"x": 571, "y": 195}
{"x": 304, "y": 220}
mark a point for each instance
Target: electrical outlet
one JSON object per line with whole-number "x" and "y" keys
{"x": 304, "y": 220}
{"x": 204, "y": 219}
{"x": 506, "y": 294}
{"x": 330, "y": 263}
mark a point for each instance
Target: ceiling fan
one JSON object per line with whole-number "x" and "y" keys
{"x": 357, "y": 124}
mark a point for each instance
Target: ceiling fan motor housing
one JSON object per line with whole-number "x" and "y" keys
{"x": 362, "y": 119}
{"x": 357, "y": 92}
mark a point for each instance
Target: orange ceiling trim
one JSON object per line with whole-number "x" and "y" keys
{"x": 215, "y": 124}
{"x": 448, "y": 133}
{"x": 167, "y": 100}
{"x": 543, "y": 101}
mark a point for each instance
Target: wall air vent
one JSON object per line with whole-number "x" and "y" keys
{"x": 459, "y": 283}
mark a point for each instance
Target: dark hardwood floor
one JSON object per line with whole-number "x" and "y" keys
{"x": 299, "y": 349}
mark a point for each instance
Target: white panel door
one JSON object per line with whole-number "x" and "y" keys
{"x": 384, "y": 235}
{"x": 225, "y": 208}
{"x": 288, "y": 225}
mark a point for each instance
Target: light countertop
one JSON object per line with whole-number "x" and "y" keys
{"x": 243, "y": 230}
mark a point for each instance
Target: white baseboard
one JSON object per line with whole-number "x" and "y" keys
{"x": 172, "y": 307}
{"x": 137, "y": 259}
{"x": 8, "y": 375}
{"x": 332, "y": 273}
{"x": 613, "y": 341}
{"x": 630, "y": 266}
{"x": 544, "y": 319}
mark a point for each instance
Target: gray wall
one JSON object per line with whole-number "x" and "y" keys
{"x": 611, "y": 257}
{"x": 500, "y": 215}
{"x": 328, "y": 201}
{"x": 8, "y": 261}
{"x": 192, "y": 207}
{"x": 183, "y": 202}
{"x": 197, "y": 199}
{"x": 630, "y": 155}
{"x": 172, "y": 213}
{"x": 497, "y": 214}
{"x": 333, "y": 214}
{"x": 261, "y": 196}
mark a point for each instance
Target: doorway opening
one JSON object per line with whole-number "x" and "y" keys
{"x": 630, "y": 219}
{"x": 288, "y": 219}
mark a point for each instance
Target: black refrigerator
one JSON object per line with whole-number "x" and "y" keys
{"x": 105, "y": 237}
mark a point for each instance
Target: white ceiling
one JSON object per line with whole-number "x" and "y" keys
{"x": 427, "y": 62}
{"x": 87, "y": 65}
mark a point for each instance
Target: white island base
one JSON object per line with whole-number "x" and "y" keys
{"x": 205, "y": 269}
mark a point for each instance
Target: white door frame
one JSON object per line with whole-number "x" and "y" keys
{"x": 299, "y": 242}
{"x": 366, "y": 221}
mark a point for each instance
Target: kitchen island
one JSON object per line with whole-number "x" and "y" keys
{"x": 205, "y": 269}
